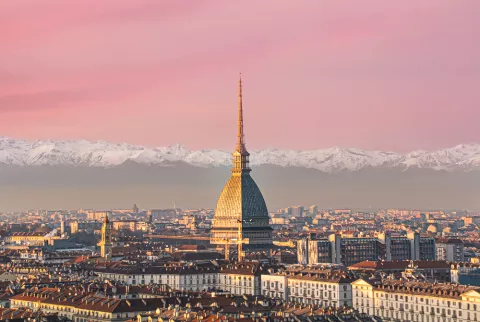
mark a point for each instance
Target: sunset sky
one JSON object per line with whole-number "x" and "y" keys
{"x": 374, "y": 74}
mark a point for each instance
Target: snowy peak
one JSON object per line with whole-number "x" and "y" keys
{"x": 465, "y": 157}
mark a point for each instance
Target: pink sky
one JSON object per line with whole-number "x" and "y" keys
{"x": 375, "y": 74}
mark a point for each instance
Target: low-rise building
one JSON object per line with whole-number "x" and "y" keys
{"x": 28, "y": 239}
{"x": 402, "y": 300}
{"x": 465, "y": 273}
{"x": 239, "y": 278}
{"x": 83, "y": 306}
{"x": 310, "y": 286}
{"x": 431, "y": 270}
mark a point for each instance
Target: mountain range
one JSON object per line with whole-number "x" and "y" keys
{"x": 465, "y": 157}
{"x": 48, "y": 174}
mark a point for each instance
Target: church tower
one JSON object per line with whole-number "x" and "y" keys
{"x": 241, "y": 211}
{"x": 106, "y": 242}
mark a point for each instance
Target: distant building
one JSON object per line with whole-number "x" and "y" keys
{"x": 313, "y": 210}
{"x": 90, "y": 226}
{"x": 297, "y": 211}
{"x": 412, "y": 247}
{"x": 302, "y": 251}
{"x": 284, "y": 257}
{"x": 450, "y": 249}
{"x": 29, "y": 239}
{"x": 342, "y": 211}
{"x": 320, "y": 251}
{"x": 131, "y": 225}
{"x": 149, "y": 216}
{"x": 96, "y": 215}
{"x": 62, "y": 226}
{"x": 351, "y": 250}
{"x": 431, "y": 270}
{"x": 466, "y": 273}
{"x": 348, "y": 250}
{"x": 475, "y": 220}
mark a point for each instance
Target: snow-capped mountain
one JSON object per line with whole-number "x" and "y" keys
{"x": 105, "y": 154}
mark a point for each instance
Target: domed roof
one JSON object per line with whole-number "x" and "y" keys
{"x": 240, "y": 199}
{"x": 241, "y": 208}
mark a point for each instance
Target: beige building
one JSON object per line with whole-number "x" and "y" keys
{"x": 396, "y": 300}
{"x": 238, "y": 279}
{"x": 83, "y": 306}
{"x": 97, "y": 215}
{"x": 309, "y": 286}
{"x": 76, "y": 226}
{"x": 28, "y": 239}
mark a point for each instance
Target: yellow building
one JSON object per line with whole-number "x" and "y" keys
{"x": 28, "y": 239}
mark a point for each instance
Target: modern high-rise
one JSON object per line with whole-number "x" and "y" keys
{"x": 241, "y": 207}
{"x": 297, "y": 211}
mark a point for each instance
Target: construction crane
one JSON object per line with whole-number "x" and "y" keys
{"x": 232, "y": 241}
{"x": 240, "y": 240}
{"x": 227, "y": 242}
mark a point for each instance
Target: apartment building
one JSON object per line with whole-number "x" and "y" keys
{"x": 238, "y": 279}
{"x": 450, "y": 249}
{"x": 82, "y": 306}
{"x": 349, "y": 250}
{"x": 402, "y": 300}
{"x": 310, "y": 286}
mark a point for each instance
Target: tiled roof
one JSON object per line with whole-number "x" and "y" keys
{"x": 400, "y": 265}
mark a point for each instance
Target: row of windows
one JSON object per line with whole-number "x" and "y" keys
{"x": 417, "y": 299}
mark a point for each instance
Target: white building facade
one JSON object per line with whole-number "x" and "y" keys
{"x": 417, "y": 302}
{"x": 238, "y": 279}
{"x": 310, "y": 287}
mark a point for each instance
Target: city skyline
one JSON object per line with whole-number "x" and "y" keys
{"x": 137, "y": 73}
{"x": 344, "y": 135}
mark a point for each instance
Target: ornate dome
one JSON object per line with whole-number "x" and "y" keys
{"x": 241, "y": 199}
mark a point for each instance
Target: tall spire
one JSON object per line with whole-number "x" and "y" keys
{"x": 240, "y": 135}
{"x": 240, "y": 156}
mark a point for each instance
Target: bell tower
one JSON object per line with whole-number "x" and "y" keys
{"x": 106, "y": 242}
